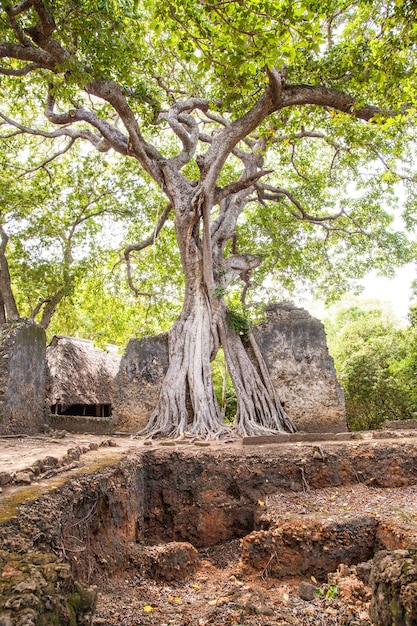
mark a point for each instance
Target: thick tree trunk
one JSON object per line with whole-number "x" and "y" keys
{"x": 259, "y": 409}
{"x": 187, "y": 403}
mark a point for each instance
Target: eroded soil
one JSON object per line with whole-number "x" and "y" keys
{"x": 189, "y": 499}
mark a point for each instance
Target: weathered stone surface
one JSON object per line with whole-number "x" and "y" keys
{"x": 22, "y": 377}
{"x": 23, "y": 478}
{"x": 173, "y": 561}
{"x": 138, "y": 382}
{"x": 35, "y": 588}
{"x": 400, "y": 425}
{"x": 394, "y": 586}
{"x": 294, "y": 347}
{"x": 307, "y": 590}
{"x": 309, "y": 546}
{"x": 5, "y": 478}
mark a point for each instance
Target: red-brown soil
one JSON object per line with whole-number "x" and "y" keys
{"x": 214, "y": 497}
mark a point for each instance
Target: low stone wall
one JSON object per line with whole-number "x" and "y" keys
{"x": 293, "y": 344}
{"x": 400, "y": 425}
{"x": 22, "y": 377}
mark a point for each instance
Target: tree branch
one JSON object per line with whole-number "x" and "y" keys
{"x": 75, "y": 133}
{"x": 296, "y": 95}
{"x": 277, "y": 192}
{"x": 149, "y": 241}
{"x": 23, "y": 71}
{"x": 238, "y": 185}
{"x": 50, "y": 159}
{"x": 185, "y": 127}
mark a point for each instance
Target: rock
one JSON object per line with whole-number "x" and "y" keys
{"x": 5, "y": 478}
{"x": 309, "y": 545}
{"x": 22, "y": 377}
{"x": 394, "y": 585}
{"x": 28, "y": 618}
{"x": 25, "y": 586}
{"x": 174, "y": 561}
{"x": 49, "y": 462}
{"x": 139, "y": 380}
{"x": 307, "y": 591}
{"x": 5, "y": 620}
{"x": 293, "y": 344}
{"x": 363, "y": 571}
{"x": 19, "y": 602}
{"x": 23, "y": 478}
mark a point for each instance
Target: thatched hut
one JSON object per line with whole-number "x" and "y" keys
{"x": 80, "y": 377}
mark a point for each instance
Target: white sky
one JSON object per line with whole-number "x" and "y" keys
{"x": 396, "y": 292}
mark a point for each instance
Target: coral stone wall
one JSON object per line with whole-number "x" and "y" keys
{"x": 22, "y": 377}
{"x": 138, "y": 382}
{"x": 293, "y": 344}
{"x": 294, "y": 347}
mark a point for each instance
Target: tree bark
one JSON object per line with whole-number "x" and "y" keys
{"x": 259, "y": 409}
{"x": 187, "y": 403}
{"x": 8, "y": 300}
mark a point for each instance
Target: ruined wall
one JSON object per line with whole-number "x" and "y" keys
{"x": 294, "y": 347}
{"x": 22, "y": 377}
{"x": 138, "y": 382}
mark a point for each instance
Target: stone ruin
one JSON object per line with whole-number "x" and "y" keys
{"x": 89, "y": 390}
{"x": 293, "y": 344}
{"x": 294, "y": 347}
{"x": 139, "y": 380}
{"x": 22, "y": 377}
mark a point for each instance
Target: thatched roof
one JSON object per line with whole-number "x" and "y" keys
{"x": 79, "y": 372}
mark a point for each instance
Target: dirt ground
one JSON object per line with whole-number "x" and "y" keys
{"x": 222, "y": 591}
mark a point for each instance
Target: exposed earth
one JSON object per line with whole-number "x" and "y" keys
{"x": 293, "y": 548}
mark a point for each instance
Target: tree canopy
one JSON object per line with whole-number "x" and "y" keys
{"x": 375, "y": 361}
{"x": 278, "y": 134}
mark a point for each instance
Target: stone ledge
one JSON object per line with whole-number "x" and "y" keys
{"x": 266, "y": 440}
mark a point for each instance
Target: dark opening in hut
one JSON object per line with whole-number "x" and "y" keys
{"x": 88, "y": 410}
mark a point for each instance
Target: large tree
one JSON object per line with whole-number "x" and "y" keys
{"x": 299, "y": 108}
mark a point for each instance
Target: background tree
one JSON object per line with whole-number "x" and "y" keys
{"x": 374, "y": 364}
{"x": 289, "y": 115}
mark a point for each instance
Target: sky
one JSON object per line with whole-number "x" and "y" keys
{"x": 396, "y": 292}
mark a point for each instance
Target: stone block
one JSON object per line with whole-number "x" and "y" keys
{"x": 139, "y": 380}
{"x": 293, "y": 344}
{"x": 394, "y": 588}
{"x": 22, "y": 377}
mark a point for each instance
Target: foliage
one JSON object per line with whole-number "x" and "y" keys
{"x": 158, "y": 52}
{"x": 373, "y": 361}
{"x": 225, "y": 393}
{"x": 66, "y": 223}
{"x": 278, "y": 135}
{"x": 239, "y": 323}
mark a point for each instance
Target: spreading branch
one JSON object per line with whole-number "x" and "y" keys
{"x": 149, "y": 241}
{"x": 238, "y": 185}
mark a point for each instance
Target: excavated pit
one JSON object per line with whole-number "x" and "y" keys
{"x": 151, "y": 512}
